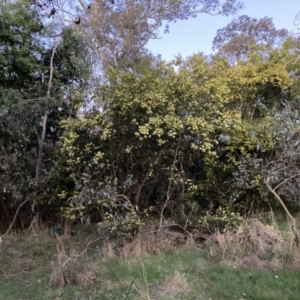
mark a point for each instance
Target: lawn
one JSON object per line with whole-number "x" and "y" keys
{"x": 29, "y": 263}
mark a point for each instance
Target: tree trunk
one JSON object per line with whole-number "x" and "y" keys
{"x": 41, "y": 151}
{"x": 5, "y": 210}
{"x": 41, "y": 140}
{"x": 137, "y": 188}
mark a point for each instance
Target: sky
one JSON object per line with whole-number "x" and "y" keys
{"x": 196, "y": 35}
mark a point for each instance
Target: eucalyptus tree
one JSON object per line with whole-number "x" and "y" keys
{"x": 119, "y": 30}
{"x": 236, "y": 40}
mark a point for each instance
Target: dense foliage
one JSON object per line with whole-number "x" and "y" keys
{"x": 199, "y": 141}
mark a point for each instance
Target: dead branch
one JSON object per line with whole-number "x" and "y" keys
{"x": 16, "y": 214}
{"x": 64, "y": 264}
{"x": 170, "y": 189}
{"x": 273, "y": 191}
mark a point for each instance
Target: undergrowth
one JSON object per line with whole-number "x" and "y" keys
{"x": 256, "y": 262}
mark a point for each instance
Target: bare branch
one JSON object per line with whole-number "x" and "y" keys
{"x": 286, "y": 180}
{"x": 294, "y": 226}
{"x": 170, "y": 189}
{"x": 16, "y": 214}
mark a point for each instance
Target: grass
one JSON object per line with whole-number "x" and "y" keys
{"x": 28, "y": 262}
{"x": 182, "y": 274}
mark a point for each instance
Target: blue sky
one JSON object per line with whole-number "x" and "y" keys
{"x": 196, "y": 35}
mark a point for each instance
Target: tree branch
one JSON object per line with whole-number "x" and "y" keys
{"x": 286, "y": 180}
{"x": 294, "y": 226}
{"x": 41, "y": 140}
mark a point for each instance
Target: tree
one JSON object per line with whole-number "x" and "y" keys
{"x": 297, "y": 21}
{"x": 281, "y": 172}
{"x": 236, "y": 39}
{"x": 198, "y": 140}
{"x": 274, "y": 173}
{"x": 20, "y": 59}
{"x": 264, "y": 148}
{"x": 120, "y": 30}
{"x": 153, "y": 128}
{"x": 29, "y": 71}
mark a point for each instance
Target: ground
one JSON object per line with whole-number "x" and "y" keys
{"x": 42, "y": 266}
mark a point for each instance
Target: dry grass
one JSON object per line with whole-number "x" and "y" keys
{"x": 35, "y": 248}
{"x": 294, "y": 258}
{"x": 253, "y": 245}
{"x": 60, "y": 277}
{"x": 173, "y": 285}
{"x": 142, "y": 245}
{"x": 261, "y": 239}
{"x": 149, "y": 242}
{"x": 70, "y": 266}
{"x": 108, "y": 251}
{"x": 31, "y": 259}
{"x": 142, "y": 285}
{"x": 23, "y": 252}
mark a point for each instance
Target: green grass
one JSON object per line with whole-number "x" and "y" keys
{"x": 205, "y": 279}
{"x": 228, "y": 283}
{"x": 27, "y": 262}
